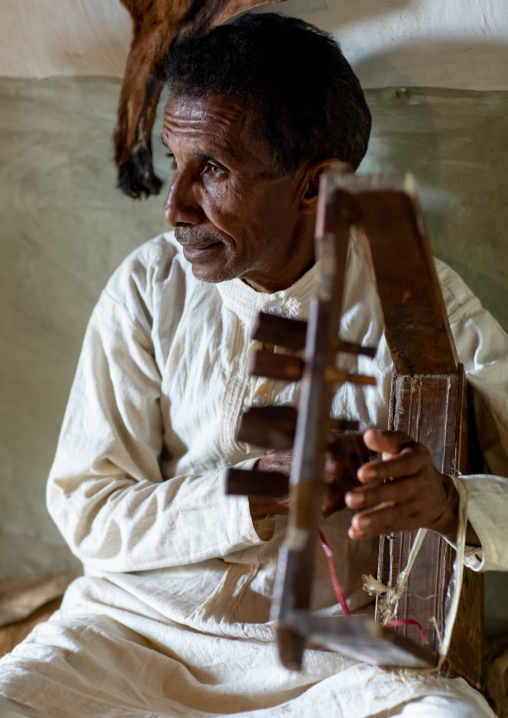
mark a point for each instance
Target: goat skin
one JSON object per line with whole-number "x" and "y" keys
{"x": 155, "y": 24}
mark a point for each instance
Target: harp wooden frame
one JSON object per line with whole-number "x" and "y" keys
{"x": 428, "y": 402}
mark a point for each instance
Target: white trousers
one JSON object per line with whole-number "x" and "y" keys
{"x": 471, "y": 706}
{"x": 440, "y": 707}
{"x": 11, "y": 709}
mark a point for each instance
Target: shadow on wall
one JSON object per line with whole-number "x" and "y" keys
{"x": 455, "y": 142}
{"x": 458, "y": 58}
{"x": 471, "y": 63}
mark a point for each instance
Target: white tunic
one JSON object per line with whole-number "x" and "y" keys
{"x": 172, "y": 615}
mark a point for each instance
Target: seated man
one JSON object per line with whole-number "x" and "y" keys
{"x": 172, "y": 615}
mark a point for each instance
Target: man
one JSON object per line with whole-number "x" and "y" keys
{"x": 172, "y": 615}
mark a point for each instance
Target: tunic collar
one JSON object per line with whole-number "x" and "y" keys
{"x": 293, "y": 302}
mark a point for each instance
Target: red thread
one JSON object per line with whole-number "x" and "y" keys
{"x": 408, "y": 622}
{"x": 340, "y": 594}
{"x": 335, "y": 581}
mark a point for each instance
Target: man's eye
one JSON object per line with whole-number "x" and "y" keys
{"x": 212, "y": 170}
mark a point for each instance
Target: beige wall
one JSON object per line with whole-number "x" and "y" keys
{"x": 65, "y": 228}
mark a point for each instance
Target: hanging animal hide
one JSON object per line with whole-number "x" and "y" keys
{"x": 156, "y": 23}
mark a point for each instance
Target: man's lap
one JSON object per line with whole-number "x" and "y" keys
{"x": 93, "y": 666}
{"x": 12, "y": 709}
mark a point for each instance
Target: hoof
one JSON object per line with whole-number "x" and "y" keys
{"x": 136, "y": 176}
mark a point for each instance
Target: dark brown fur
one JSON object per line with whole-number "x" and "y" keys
{"x": 156, "y": 23}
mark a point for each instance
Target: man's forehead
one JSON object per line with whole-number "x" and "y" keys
{"x": 212, "y": 115}
{"x": 223, "y": 121}
{"x": 183, "y": 108}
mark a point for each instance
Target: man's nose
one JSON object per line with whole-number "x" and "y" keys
{"x": 181, "y": 207}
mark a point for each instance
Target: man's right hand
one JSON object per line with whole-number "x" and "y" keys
{"x": 339, "y": 477}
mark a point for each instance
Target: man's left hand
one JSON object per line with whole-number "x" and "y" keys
{"x": 402, "y": 491}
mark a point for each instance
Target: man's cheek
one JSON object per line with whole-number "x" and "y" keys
{"x": 220, "y": 210}
{"x": 226, "y": 221}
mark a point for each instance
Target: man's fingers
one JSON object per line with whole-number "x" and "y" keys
{"x": 397, "y": 491}
{"x": 390, "y": 442}
{"x": 405, "y": 464}
{"x": 401, "y": 492}
{"x": 383, "y": 520}
{"x": 399, "y": 505}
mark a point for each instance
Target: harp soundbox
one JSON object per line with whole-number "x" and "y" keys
{"x": 428, "y": 402}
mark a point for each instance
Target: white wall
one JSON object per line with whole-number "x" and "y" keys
{"x": 430, "y": 43}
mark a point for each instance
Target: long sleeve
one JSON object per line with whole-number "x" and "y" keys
{"x": 482, "y": 346}
{"x": 106, "y": 491}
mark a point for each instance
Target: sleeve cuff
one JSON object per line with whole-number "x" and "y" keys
{"x": 255, "y": 531}
{"x": 486, "y": 512}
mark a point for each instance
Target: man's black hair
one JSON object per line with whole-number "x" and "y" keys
{"x": 310, "y": 103}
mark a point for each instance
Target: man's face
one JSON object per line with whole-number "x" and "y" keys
{"x": 235, "y": 214}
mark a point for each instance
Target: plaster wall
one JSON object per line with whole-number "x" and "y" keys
{"x": 65, "y": 228}
{"x": 449, "y": 43}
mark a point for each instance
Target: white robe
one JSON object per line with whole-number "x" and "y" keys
{"x": 172, "y": 615}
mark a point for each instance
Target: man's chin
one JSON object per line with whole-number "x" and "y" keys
{"x": 212, "y": 274}
{"x": 210, "y": 263}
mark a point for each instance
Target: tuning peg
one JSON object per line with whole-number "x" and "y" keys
{"x": 342, "y": 346}
{"x": 280, "y": 331}
{"x": 342, "y": 425}
{"x": 272, "y": 427}
{"x": 276, "y": 366}
{"x": 291, "y": 334}
{"x": 337, "y": 375}
{"x": 240, "y": 482}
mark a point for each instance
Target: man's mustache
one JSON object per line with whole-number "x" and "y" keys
{"x": 196, "y": 236}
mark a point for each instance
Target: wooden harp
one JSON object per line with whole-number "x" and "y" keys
{"x": 428, "y": 402}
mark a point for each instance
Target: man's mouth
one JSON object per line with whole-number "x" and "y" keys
{"x": 197, "y": 244}
{"x": 195, "y": 251}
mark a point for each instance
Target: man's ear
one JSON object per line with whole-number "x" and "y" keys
{"x": 310, "y": 184}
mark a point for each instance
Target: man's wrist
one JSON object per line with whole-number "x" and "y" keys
{"x": 448, "y": 523}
